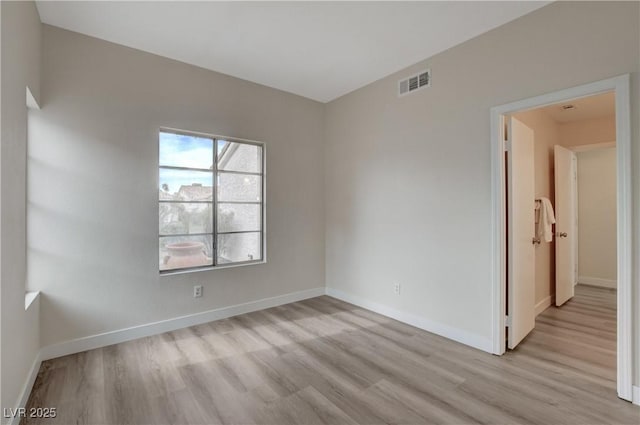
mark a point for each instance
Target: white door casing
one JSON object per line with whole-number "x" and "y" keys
{"x": 565, "y": 170}
{"x": 626, "y": 327}
{"x": 521, "y": 231}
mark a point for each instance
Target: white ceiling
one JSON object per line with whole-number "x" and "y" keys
{"x": 319, "y": 50}
{"x": 586, "y": 108}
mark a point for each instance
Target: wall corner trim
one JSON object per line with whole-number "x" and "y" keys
{"x": 544, "y": 304}
{"x": 455, "y": 334}
{"x": 141, "y": 331}
{"x": 28, "y": 386}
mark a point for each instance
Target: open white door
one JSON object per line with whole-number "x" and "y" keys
{"x": 565, "y": 209}
{"x": 521, "y": 231}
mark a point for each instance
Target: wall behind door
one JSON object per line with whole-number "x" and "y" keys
{"x": 596, "y": 264}
{"x": 597, "y": 258}
{"x": 587, "y": 132}
{"x": 597, "y": 255}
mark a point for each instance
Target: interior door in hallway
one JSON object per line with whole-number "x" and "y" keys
{"x": 521, "y": 231}
{"x": 565, "y": 163}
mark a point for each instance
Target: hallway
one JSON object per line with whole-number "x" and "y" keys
{"x": 580, "y": 336}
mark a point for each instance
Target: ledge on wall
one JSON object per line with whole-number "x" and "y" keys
{"x": 29, "y": 298}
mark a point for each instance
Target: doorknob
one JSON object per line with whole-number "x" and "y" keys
{"x": 561, "y": 234}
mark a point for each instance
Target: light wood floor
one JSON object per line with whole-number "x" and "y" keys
{"x": 325, "y": 361}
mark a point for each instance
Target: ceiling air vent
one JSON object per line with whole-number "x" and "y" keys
{"x": 414, "y": 82}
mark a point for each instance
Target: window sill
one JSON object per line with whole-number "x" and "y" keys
{"x": 206, "y": 269}
{"x": 29, "y": 298}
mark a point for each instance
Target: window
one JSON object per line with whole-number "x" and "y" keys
{"x": 211, "y": 201}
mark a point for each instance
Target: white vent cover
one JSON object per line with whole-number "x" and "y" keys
{"x": 414, "y": 82}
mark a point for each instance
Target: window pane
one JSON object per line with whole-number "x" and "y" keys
{"x": 185, "y": 185}
{"x": 238, "y": 247}
{"x": 239, "y": 187}
{"x": 178, "y": 252}
{"x": 238, "y": 217}
{"x": 239, "y": 157}
{"x": 178, "y": 150}
{"x": 179, "y": 218}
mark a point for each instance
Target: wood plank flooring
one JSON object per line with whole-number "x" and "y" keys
{"x": 323, "y": 361}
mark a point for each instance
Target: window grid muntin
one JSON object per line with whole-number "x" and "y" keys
{"x": 246, "y": 173}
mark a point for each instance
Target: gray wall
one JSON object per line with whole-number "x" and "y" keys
{"x": 408, "y": 184}
{"x": 93, "y": 159}
{"x": 20, "y": 52}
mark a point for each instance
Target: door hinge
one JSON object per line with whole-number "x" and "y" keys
{"x": 507, "y": 321}
{"x": 507, "y": 145}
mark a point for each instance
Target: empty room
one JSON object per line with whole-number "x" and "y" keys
{"x": 320, "y": 212}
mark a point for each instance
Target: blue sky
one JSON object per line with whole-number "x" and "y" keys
{"x": 185, "y": 151}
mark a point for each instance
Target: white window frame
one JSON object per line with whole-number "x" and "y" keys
{"x": 214, "y": 202}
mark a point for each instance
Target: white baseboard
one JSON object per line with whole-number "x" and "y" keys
{"x": 28, "y": 385}
{"x": 636, "y": 395}
{"x": 596, "y": 281}
{"x": 545, "y": 303}
{"x": 114, "y": 337}
{"x": 459, "y": 335}
{"x": 108, "y": 338}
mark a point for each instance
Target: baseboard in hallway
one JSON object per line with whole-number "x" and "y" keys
{"x": 596, "y": 281}
{"x": 544, "y": 304}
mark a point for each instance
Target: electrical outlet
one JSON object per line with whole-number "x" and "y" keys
{"x": 197, "y": 291}
{"x": 396, "y": 288}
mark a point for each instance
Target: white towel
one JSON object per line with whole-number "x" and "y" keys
{"x": 547, "y": 218}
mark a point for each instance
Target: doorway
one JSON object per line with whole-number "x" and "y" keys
{"x": 521, "y": 317}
